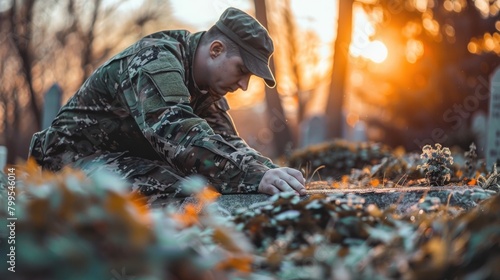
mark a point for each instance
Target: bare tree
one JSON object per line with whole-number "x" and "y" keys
{"x": 277, "y": 120}
{"x": 20, "y": 22}
{"x": 296, "y": 76}
{"x": 302, "y": 47}
{"x": 339, "y": 70}
{"x": 44, "y": 42}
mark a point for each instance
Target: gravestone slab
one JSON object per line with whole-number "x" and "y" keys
{"x": 51, "y": 105}
{"x": 402, "y": 199}
{"x": 479, "y": 127}
{"x": 3, "y": 157}
{"x": 312, "y": 131}
{"x": 358, "y": 132}
{"x": 493, "y": 142}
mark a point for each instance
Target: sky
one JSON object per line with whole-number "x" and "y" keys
{"x": 316, "y": 15}
{"x": 206, "y": 12}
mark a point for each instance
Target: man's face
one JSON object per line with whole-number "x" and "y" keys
{"x": 227, "y": 74}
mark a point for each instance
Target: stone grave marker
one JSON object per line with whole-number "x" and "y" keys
{"x": 357, "y": 133}
{"x": 51, "y": 105}
{"x": 404, "y": 198}
{"x": 493, "y": 129}
{"x": 3, "y": 157}
{"x": 479, "y": 127}
{"x": 312, "y": 131}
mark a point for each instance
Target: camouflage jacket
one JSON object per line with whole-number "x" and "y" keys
{"x": 144, "y": 102}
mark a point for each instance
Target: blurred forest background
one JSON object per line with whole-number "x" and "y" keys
{"x": 405, "y": 72}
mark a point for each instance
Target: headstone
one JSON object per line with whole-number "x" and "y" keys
{"x": 359, "y": 132}
{"x": 479, "y": 127}
{"x": 312, "y": 131}
{"x": 403, "y": 199}
{"x": 3, "y": 157}
{"x": 51, "y": 105}
{"x": 493, "y": 142}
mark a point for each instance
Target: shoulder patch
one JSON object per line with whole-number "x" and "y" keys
{"x": 168, "y": 77}
{"x": 170, "y": 85}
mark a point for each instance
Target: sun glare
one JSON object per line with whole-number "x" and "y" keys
{"x": 361, "y": 44}
{"x": 376, "y": 51}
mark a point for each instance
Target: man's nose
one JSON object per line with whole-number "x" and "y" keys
{"x": 243, "y": 82}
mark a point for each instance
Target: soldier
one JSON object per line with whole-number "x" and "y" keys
{"x": 156, "y": 113}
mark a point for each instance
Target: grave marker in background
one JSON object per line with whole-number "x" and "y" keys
{"x": 51, "y": 105}
{"x": 493, "y": 129}
{"x": 3, "y": 157}
{"x": 312, "y": 131}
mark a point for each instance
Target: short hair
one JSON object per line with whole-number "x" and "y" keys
{"x": 215, "y": 34}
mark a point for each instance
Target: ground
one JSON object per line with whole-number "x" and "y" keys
{"x": 371, "y": 213}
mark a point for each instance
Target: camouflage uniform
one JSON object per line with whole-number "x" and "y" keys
{"x": 142, "y": 116}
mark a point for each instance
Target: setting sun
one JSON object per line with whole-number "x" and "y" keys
{"x": 361, "y": 44}
{"x": 376, "y": 51}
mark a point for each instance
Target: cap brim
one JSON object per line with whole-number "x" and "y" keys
{"x": 258, "y": 68}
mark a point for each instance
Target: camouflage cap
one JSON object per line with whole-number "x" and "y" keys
{"x": 256, "y": 46}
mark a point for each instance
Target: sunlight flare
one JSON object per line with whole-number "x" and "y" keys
{"x": 376, "y": 51}
{"x": 362, "y": 44}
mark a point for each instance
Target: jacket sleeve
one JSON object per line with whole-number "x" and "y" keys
{"x": 159, "y": 102}
{"x": 221, "y": 122}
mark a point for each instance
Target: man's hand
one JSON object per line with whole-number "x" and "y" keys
{"x": 283, "y": 179}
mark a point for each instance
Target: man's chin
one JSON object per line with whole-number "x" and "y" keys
{"x": 217, "y": 93}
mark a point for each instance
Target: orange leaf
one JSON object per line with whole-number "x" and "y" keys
{"x": 374, "y": 182}
{"x": 241, "y": 263}
{"x": 32, "y": 166}
{"x": 472, "y": 182}
{"x": 139, "y": 203}
{"x": 207, "y": 195}
{"x": 189, "y": 217}
{"x": 115, "y": 203}
{"x": 345, "y": 179}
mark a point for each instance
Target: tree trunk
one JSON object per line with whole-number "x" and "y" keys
{"x": 277, "y": 120}
{"x": 21, "y": 30}
{"x": 339, "y": 71}
{"x": 88, "y": 38}
{"x": 293, "y": 55}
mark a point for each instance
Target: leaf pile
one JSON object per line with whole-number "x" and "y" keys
{"x": 338, "y": 157}
{"x": 360, "y": 165}
{"x": 70, "y": 226}
{"x": 338, "y": 236}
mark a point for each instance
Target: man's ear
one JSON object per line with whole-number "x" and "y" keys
{"x": 216, "y": 48}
